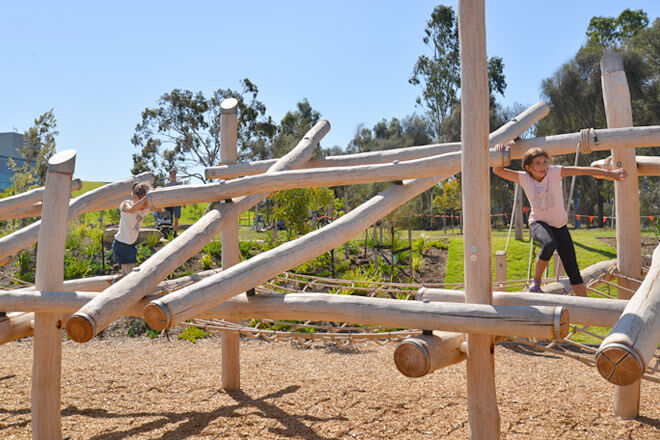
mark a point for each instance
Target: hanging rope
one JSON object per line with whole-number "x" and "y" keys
{"x": 513, "y": 211}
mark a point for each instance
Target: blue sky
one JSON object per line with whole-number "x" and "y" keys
{"x": 99, "y": 64}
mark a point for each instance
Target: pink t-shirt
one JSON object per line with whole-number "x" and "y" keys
{"x": 546, "y": 197}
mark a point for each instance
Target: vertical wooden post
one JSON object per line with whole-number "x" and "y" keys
{"x": 47, "y": 361}
{"x": 376, "y": 250}
{"x": 500, "y": 270}
{"x": 410, "y": 252}
{"x": 518, "y": 216}
{"x": 618, "y": 110}
{"x": 483, "y": 415}
{"x": 231, "y": 370}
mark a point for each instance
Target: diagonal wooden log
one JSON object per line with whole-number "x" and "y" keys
{"x": 448, "y": 163}
{"x": 593, "y": 272}
{"x": 582, "y": 310}
{"x": 29, "y": 201}
{"x": 193, "y": 300}
{"x": 99, "y": 313}
{"x": 75, "y": 294}
{"x": 233, "y": 170}
{"x": 16, "y": 326}
{"x": 624, "y": 354}
{"x": 601, "y": 139}
{"x": 90, "y": 201}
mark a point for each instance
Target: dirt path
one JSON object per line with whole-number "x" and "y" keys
{"x": 154, "y": 389}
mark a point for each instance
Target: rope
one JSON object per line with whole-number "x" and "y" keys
{"x": 513, "y": 211}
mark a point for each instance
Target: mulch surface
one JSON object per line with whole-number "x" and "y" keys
{"x": 137, "y": 388}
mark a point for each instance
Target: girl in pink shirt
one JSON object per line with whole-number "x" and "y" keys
{"x": 547, "y": 221}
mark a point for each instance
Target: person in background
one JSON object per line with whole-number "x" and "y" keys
{"x": 174, "y": 210}
{"x": 547, "y": 221}
{"x": 132, "y": 212}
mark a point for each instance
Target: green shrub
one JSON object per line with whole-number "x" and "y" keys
{"x": 206, "y": 261}
{"x": 439, "y": 244}
{"x": 214, "y": 248}
{"x": 75, "y": 268}
{"x": 139, "y": 327}
{"x": 143, "y": 252}
{"x": 25, "y": 267}
{"x": 247, "y": 247}
{"x": 192, "y": 334}
{"x": 152, "y": 240}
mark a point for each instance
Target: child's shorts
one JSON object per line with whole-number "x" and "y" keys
{"x": 124, "y": 253}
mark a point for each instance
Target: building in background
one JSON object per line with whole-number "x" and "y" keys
{"x": 10, "y": 146}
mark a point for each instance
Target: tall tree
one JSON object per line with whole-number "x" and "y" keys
{"x": 184, "y": 131}
{"x": 611, "y": 33}
{"x": 438, "y": 75}
{"x": 38, "y": 147}
{"x": 575, "y": 96}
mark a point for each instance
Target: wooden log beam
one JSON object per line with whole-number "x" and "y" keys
{"x": 231, "y": 372}
{"x": 99, "y": 313}
{"x": 601, "y": 140}
{"x": 234, "y": 170}
{"x": 483, "y": 414}
{"x": 47, "y": 347}
{"x": 646, "y": 165}
{"x": 525, "y": 321}
{"x": 90, "y": 201}
{"x": 624, "y": 354}
{"x": 584, "y": 311}
{"x": 593, "y": 272}
{"x": 77, "y": 293}
{"x": 449, "y": 163}
{"x": 16, "y": 326}
{"x": 618, "y": 111}
{"x": 424, "y": 354}
{"x": 253, "y": 272}
{"x": 27, "y": 201}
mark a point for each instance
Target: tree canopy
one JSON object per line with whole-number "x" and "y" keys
{"x": 38, "y": 147}
{"x": 184, "y": 131}
{"x": 438, "y": 75}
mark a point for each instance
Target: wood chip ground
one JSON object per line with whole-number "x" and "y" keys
{"x": 154, "y": 389}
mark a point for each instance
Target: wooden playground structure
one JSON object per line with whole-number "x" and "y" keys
{"x": 458, "y": 325}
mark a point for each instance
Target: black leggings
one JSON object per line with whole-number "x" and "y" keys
{"x": 560, "y": 239}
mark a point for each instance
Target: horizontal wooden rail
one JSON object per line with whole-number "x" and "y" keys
{"x": 231, "y": 171}
{"x": 90, "y": 201}
{"x": 29, "y": 201}
{"x": 586, "y": 311}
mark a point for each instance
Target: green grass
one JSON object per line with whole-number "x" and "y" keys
{"x": 87, "y": 186}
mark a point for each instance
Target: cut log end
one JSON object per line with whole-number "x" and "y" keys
{"x": 157, "y": 316}
{"x": 80, "y": 328}
{"x": 411, "y": 358}
{"x": 562, "y": 322}
{"x": 619, "y": 364}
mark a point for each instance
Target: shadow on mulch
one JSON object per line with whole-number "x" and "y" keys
{"x": 196, "y": 421}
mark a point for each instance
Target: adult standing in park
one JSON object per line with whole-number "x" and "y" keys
{"x": 174, "y": 210}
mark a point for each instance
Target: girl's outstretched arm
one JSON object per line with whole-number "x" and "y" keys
{"x": 502, "y": 172}
{"x": 598, "y": 173}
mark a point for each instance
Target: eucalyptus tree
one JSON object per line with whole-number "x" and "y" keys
{"x": 183, "y": 130}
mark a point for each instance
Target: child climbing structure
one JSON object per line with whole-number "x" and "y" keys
{"x": 86, "y": 307}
